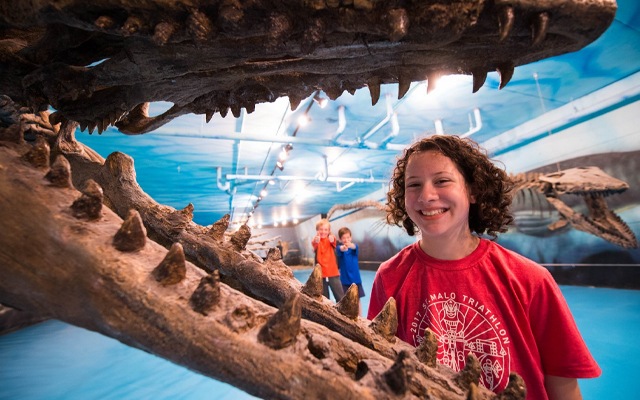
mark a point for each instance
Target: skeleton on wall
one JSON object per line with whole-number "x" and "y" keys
{"x": 144, "y": 273}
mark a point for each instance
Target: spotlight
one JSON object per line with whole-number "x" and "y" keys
{"x": 263, "y": 193}
{"x": 272, "y": 182}
{"x": 320, "y": 101}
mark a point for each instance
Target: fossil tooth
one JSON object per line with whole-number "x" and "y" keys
{"x": 479, "y": 77}
{"x": 274, "y": 254}
{"x": 132, "y": 25}
{"x": 207, "y": 294}
{"x": 241, "y": 237}
{"x": 89, "y": 204}
{"x": 333, "y": 92}
{"x": 92, "y": 127}
{"x": 374, "y": 89}
{"x": 163, "y": 32}
{"x": 83, "y": 126}
{"x": 132, "y": 235}
{"x": 99, "y": 126}
{"x": 539, "y": 28}
{"x": 313, "y": 35}
{"x": 473, "y": 394}
{"x": 349, "y": 305}
{"x": 505, "y": 21}
{"x": 294, "y": 101}
{"x": 104, "y": 22}
{"x": 313, "y": 286}
{"x": 199, "y": 26}
{"x": 224, "y": 111}
{"x": 396, "y": 375}
{"x": 470, "y": 374}
{"x": 282, "y": 328}
{"x": 404, "y": 83}
{"x": 235, "y": 110}
{"x": 172, "y": 269}
{"x": 506, "y": 73}
{"x": 427, "y": 352}
{"x": 362, "y": 368}
{"x": 398, "y": 23}
{"x": 209, "y": 115}
{"x": 105, "y": 123}
{"x": 386, "y": 322}
{"x": 516, "y": 388}
{"x": 60, "y": 173}
{"x": 219, "y": 227}
{"x": 250, "y": 107}
{"x": 38, "y": 154}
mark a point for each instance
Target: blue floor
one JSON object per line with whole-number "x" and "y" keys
{"x": 54, "y": 360}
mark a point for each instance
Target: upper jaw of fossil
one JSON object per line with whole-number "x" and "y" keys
{"x": 98, "y": 63}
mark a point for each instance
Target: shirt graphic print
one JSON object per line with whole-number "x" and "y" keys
{"x": 464, "y": 326}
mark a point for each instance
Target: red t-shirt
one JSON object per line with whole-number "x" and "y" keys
{"x": 326, "y": 257}
{"x": 501, "y": 306}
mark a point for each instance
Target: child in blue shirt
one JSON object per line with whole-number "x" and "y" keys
{"x": 347, "y": 256}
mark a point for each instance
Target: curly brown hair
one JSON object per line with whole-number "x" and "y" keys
{"x": 490, "y": 185}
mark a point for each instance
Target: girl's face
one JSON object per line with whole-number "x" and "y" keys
{"x": 436, "y": 196}
{"x": 323, "y": 231}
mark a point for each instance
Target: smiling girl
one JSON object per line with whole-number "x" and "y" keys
{"x": 475, "y": 295}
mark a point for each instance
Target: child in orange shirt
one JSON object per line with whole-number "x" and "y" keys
{"x": 324, "y": 245}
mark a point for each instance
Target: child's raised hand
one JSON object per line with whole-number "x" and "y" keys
{"x": 332, "y": 239}
{"x": 343, "y": 247}
{"x": 316, "y": 239}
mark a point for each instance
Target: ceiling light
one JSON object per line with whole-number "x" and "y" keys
{"x": 263, "y": 193}
{"x": 304, "y": 120}
{"x": 321, "y": 101}
{"x": 272, "y": 182}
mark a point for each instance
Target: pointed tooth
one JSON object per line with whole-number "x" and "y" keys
{"x": 349, "y": 305}
{"x": 516, "y": 388}
{"x": 172, "y": 269}
{"x": 385, "y": 323}
{"x": 92, "y": 127}
{"x": 241, "y": 237}
{"x": 374, "y": 89}
{"x": 396, "y": 375}
{"x": 224, "y": 111}
{"x": 294, "y": 101}
{"x": 249, "y": 108}
{"x": 404, "y": 83}
{"x": 432, "y": 80}
{"x": 207, "y": 294}
{"x": 132, "y": 235}
{"x": 60, "y": 173}
{"x": 105, "y": 123}
{"x": 506, "y": 73}
{"x": 274, "y": 254}
{"x": 113, "y": 117}
{"x": 470, "y": 374}
{"x": 235, "y": 110}
{"x": 209, "y": 115}
{"x": 398, "y": 20}
{"x": 199, "y": 26}
{"x": 89, "y": 205}
{"x": 505, "y": 21}
{"x": 100, "y": 127}
{"x": 473, "y": 393}
{"x": 219, "y": 227}
{"x": 479, "y": 77}
{"x": 539, "y": 28}
{"x": 427, "y": 352}
{"x": 282, "y": 328}
{"x": 38, "y": 155}
{"x": 83, "y": 126}
{"x": 313, "y": 286}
